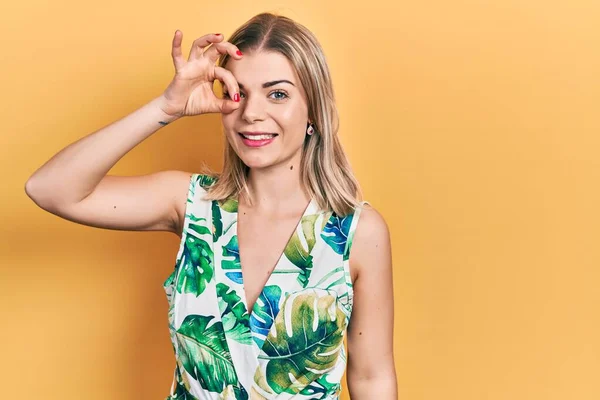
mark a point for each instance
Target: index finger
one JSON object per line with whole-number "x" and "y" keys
{"x": 216, "y": 49}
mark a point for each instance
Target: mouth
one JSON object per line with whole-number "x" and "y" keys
{"x": 257, "y": 140}
{"x": 255, "y": 136}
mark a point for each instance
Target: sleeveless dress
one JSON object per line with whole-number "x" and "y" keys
{"x": 290, "y": 345}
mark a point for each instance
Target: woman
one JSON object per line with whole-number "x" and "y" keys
{"x": 285, "y": 207}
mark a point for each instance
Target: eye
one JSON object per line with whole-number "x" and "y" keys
{"x": 285, "y": 96}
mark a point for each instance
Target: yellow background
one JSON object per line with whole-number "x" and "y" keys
{"x": 473, "y": 127}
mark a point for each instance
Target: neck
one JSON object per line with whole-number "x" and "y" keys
{"x": 277, "y": 187}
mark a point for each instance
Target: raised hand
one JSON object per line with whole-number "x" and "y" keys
{"x": 191, "y": 90}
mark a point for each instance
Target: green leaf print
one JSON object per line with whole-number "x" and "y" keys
{"x": 231, "y": 249}
{"x": 304, "y": 342}
{"x": 348, "y": 246}
{"x": 196, "y": 263}
{"x": 297, "y": 253}
{"x": 229, "y": 205}
{"x": 321, "y": 386}
{"x": 204, "y": 353}
{"x": 264, "y": 313}
{"x": 206, "y": 180}
{"x": 240, "y": 393}
{"x": 197, "y": 226}
{"x": 233, "y": 314}
{"x": 336, "y": 231}
{"x": 216, "y": 220}
{"x": 231, "y": 260}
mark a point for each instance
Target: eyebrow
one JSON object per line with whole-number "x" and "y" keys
{"x": 269, "y": 84}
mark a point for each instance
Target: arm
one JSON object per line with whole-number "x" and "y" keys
{"x": 75, "y": 171}
{"x": 73, "y": 183}
{"x": 371, "y": 371}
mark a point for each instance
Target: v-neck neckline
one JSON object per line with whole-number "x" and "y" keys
{"x": 310, "y": 209}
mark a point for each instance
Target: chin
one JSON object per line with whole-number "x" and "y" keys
{"x": 256, "y": 161}
{"x": 257, "y": 164}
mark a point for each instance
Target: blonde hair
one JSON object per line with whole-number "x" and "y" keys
{"x": 325, "y": 171}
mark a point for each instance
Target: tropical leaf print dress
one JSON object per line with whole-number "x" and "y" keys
{"x": 290, "y": 345}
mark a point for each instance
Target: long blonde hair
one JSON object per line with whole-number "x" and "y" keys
{"x": 325, "y": 170}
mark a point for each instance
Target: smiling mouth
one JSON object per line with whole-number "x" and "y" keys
{"x": 258, "y": 137}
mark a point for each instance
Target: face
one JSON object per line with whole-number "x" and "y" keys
{"x": 268, "y": 106}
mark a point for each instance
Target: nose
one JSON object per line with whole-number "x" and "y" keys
{"x": 253, "y": 108}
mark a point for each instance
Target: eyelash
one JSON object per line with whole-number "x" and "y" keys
{"x": 225, "y": 94}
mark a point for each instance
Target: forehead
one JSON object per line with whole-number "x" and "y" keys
{"x": 256, "y": 68}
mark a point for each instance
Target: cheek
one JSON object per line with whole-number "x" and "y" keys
{"x": 293, "y": 121}
{"x": 293, "y": 115}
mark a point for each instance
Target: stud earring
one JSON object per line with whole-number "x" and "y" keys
{"x": 310, "y": 129}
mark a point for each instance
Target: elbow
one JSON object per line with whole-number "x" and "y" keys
{"x": 29, "y": 190}
{"x": 41, "y": 199}
{"x": 376, "y": 380}
{"x": 381, "y": 388}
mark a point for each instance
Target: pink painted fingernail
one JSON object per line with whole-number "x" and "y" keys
{"x": 239, "y": 53}
{"x": 236, "y": 97}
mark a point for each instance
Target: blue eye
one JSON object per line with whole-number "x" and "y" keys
{"x": 280, "y": 92}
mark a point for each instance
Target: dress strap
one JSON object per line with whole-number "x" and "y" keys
{"x": 352, "y": 229}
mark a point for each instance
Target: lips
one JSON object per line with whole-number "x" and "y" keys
{"x": 256, "y": 139}
{"x": 254, "y": 135}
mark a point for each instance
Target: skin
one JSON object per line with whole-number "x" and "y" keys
{"x": 274, "y": 181}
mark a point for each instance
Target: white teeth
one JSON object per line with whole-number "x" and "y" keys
{"x": 258, "y": 137}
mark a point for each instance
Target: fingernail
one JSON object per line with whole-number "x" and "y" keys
{"x": 236, "y": 97}
{"x": 218, "y": 34}
{"x": 239, "y": 53}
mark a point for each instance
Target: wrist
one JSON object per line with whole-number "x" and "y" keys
{"x": 164, "y": 117}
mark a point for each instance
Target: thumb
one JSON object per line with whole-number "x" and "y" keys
{"x": 228, "y": 106}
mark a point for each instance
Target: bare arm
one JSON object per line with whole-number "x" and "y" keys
{"x": 371, "y": 371}
{"x": 73, "y": 173}
{"x": 73, "y": 184}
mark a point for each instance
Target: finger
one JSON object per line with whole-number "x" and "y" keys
{"x": 178, "y": 60}
{"x": 228, "y": 104}
{"x": 230, "y": 82}
{"x": 214, "y": 51}
{"x": 200, "y": 43}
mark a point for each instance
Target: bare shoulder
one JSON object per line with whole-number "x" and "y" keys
{"x": 371, "y": 221}
{"x": 371, "y": 244}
